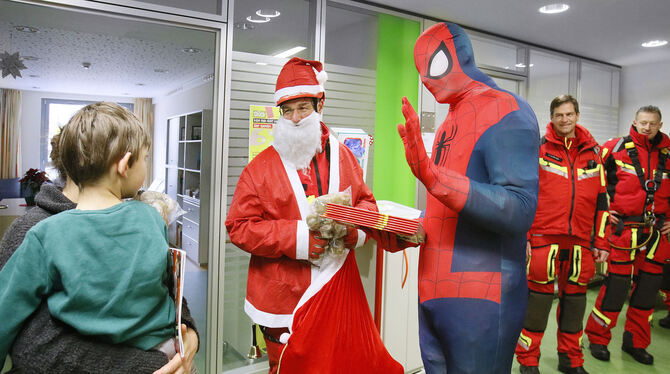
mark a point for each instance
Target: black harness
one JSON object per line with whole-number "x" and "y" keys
{"x": 650, "y": 186}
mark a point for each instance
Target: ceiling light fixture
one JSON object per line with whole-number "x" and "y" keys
{"x": 290, "y": 52}
{"x": 654, "y": 43}
{"x": 28, "y": 29}
{"x": 261, "y": 63}
{"x": 191, "y": 50}
{"x": 34, "y": 76}
{"x": 140, "y": 84}
{"x": 554, "y": 8}
{"x": 258, "y": 20}
{"x": 267, "y": 13}
{"x": 86, "y": 65}
{"x": 29, "y": 58}
{"x": 161, "y": 71}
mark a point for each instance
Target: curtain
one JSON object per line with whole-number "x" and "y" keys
{"x": 10, "y": 133}
{"x": 143, "y": 109}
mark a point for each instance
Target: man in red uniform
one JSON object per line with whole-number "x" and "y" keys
{"x": 571, "y": 203}
{"x": 267, "y": 219}
{"x": 638, "y": 188}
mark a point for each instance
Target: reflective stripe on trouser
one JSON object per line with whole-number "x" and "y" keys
{"x": 646, "y": 266}
{"x": 572, "y": 265}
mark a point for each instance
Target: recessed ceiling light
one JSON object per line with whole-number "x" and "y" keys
{"x": 554, "y": 8}
{"x": 140, "y": 84}
{"x": 290, "y": 52}
{"x": 28, "y": 29}
{"x": 190, "y": 50}
{"x": 654, "y": 43}
{"x": 161, "y": 71}
{"x": 86, "y": 65}
{"x": 258, "y": 20}
{"x": 261, "y": 63}
{"x": 34, "y": 76}
{"x": 36, "y": 87}
{"x": 244, "y": 26}
{"x": 29, "y": 58}
{"x": 267, "y": 13}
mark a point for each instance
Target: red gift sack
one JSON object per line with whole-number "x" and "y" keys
{"x": 333, "y": 330}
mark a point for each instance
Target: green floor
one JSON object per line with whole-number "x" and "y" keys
{"x": 620, "y": 362}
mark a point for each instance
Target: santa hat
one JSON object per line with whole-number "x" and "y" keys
{"x": 300, "y": 78}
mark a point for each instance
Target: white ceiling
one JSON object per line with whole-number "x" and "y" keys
{"x": 605, "y": 30}
{"x": 124, "y": 53}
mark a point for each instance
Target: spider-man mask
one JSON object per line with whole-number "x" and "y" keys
{"x": 445, "y": 61}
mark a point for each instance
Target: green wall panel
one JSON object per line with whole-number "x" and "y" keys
{"x": 396, "y": 77}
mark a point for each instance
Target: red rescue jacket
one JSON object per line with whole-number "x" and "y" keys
{"x": 623, "y": 184}
{"x": 572, "y": 199}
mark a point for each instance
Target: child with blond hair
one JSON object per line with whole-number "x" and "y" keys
{"x": 101, "y": 267}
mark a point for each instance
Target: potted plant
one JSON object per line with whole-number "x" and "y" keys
{"x": 31, "y": 183}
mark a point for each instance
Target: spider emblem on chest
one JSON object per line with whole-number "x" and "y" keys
{"x": 442, "y": 146}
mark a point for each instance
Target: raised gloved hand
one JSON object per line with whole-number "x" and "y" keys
{"x": 448, "y": 186}
{"x": 317, "y": 245}
{"x": 415, "y": 152}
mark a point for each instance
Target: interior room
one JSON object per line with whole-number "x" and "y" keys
{"x": 195, "y": 71}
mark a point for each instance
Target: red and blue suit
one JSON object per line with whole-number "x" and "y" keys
{"x": 482, "y": 184}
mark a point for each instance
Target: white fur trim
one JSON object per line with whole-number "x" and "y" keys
{"x": 265, "y": 318}
{"x": 322, "y": 77}
{"x": 296, "y": 186}
{"x": 334, "y": 177}
{"x": 302, "y": 241}
{"x": 297, "y": 90}
{"x": 361, "y": 238}
{"x": 320, "y": 276}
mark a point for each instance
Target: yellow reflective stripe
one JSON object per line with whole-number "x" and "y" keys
{"x": 651, "y": 251}
{"x": 602, "y": 316}
{"x": 604, "y": 153}
{"x": 544, "y": 162}
{"x": 588, "y": 171}
{"x": 525, "y": 341}
{"x": 651, "y": 317}
{"x": 576, "y": 263}
{"x": 551, "y": 262}
{"x": 528, "y": 261}
{"x": 603, "y": 224}
{"x": 602, "y": 177}
{"x": 625, "y": 165}
{"x": 629, "y": 145}
{"x": 633, "y": 242}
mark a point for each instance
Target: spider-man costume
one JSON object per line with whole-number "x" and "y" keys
{"x": 482, "y": 183}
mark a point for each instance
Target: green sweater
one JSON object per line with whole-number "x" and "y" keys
{"x": 102, "y": 272}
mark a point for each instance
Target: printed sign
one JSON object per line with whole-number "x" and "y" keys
{"x": 262, "y": 120}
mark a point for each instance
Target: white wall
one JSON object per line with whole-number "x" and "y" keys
{"x": 31, "y": 121}
{"x": 181, "y": 102}
{"x": 644, "y": 84}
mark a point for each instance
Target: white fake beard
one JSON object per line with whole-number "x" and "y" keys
{"x": 298, "y": 143}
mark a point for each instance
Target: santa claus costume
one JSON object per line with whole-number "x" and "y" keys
{"x": 323, "y": 309}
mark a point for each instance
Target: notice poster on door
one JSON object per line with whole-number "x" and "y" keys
{"x": 262, "y": 120}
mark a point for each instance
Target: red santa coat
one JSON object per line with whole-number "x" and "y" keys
{"x": 267, "y": 219}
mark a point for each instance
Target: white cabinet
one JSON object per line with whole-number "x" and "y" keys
{"x": 187, "y": 180}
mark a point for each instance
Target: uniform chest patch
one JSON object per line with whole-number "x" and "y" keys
{"x": 555, "y": 158}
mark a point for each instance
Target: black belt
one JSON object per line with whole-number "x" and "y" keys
{"x": 267, "y": 336}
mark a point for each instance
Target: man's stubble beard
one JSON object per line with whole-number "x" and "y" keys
{"x": 298, "y": 143}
